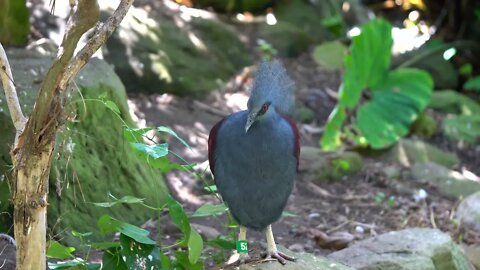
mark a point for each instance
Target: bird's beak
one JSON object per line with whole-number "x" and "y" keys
{"x": 250, "y": 120}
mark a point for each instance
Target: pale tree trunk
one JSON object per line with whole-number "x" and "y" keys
{"x": 35, "y": 138}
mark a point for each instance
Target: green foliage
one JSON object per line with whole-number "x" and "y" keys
{"x": 59, "y": 251}
{"x": 473, "y": 84}
{"x": 134, "y": 248}
{"x": 266, "y": 50}
{"x": 210, "y": 210}
{"x": 380, "y": 104}
{"x": 14, "y": 22}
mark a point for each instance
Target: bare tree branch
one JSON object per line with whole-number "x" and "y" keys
{"x": 101, "y": 34}
{"x": 10, "y": 92}
{"x": 84, "y": 16}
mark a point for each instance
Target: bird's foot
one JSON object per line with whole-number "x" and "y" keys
{"x": 278, "y": 256}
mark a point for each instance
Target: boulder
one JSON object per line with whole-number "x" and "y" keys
{"x": 469, "y": 211}
{"x": 92, "y": 159}
{"x": 164, "y": 51}
{"x": 450, "y": 183}
{"x": 450, "y": 101}
{"x": 304, "y": 261}
{"x": 462, "y": 128}
{"x": 410, "y": 249}
{"x": 424, "y": 126}
{"x": 408, "y": 152}
{"x": 299, "y": 25}
{"x": 317, "y": 165}
{"x": 473, "y": 254}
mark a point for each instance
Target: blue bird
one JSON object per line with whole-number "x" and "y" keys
{"x": 253, "y": 155}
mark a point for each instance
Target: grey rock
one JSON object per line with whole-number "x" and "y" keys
{"x": 473, "y": 254}
{"x": 449, "y": 183}
{"x": 206, "y": 231}
{"x": 161, "y": 51}
{"x": 469, "y": 211}
{"x": 297, "y": 247}
{"x": 304, "y": 261}
{"x": 410, "y": 249}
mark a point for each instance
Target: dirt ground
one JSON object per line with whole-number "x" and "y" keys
{"x": 327, "y": 216}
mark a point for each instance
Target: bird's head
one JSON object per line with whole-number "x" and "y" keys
{"x": 272, "y": 92}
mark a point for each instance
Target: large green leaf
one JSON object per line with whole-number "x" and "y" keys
{"x": 368, "y": 62}
{"x": 222, "y": 242}
{"x": 112, "y": 260}
{"x": 371, "y": 53}
{"x": 396, "y": 103}
{"x": 195, "y": 246}
{"x": 135, "y": 253}
{"x": 174, "y": 134}
{"x": 209, "y": 209}
{"x": 108, "y": 224}
{"x": 59, "y": 251}
{"x": 125, "y": 199}
{"x": 178, "y": 216}
{"x": 153, "y": 151}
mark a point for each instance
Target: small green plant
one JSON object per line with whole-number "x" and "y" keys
{"x": 266, "y": 49}
{"x": 133, "y": 249}
{"x": 381, "y": 197}
{"x": 376, "y": 105}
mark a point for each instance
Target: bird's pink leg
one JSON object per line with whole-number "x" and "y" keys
{"x": 272, "y": 252}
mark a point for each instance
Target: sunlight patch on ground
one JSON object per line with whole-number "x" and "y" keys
{"x": 236, "y": 101}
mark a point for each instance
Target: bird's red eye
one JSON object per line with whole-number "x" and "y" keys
{"x": 264, "y": 108}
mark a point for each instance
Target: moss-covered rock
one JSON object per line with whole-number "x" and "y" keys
{"x": 14, "y": 22}
{"x": 299, "y": 26}
{"x": 162, "y": 52}
{"x": 449, "y": 183}
{"x": 319, "y": 166}
{"x": 450, "y": 101}
{"x": 409, "y": 249}
{"x": 408, "y": 152}
{"x": 424, "y": 126}
{"x": 92, "y": 160}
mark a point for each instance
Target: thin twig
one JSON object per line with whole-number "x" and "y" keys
{"x": 432, "y": 217}
{"x": 11, "y": 92}
{"x": 338, "y": 227}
